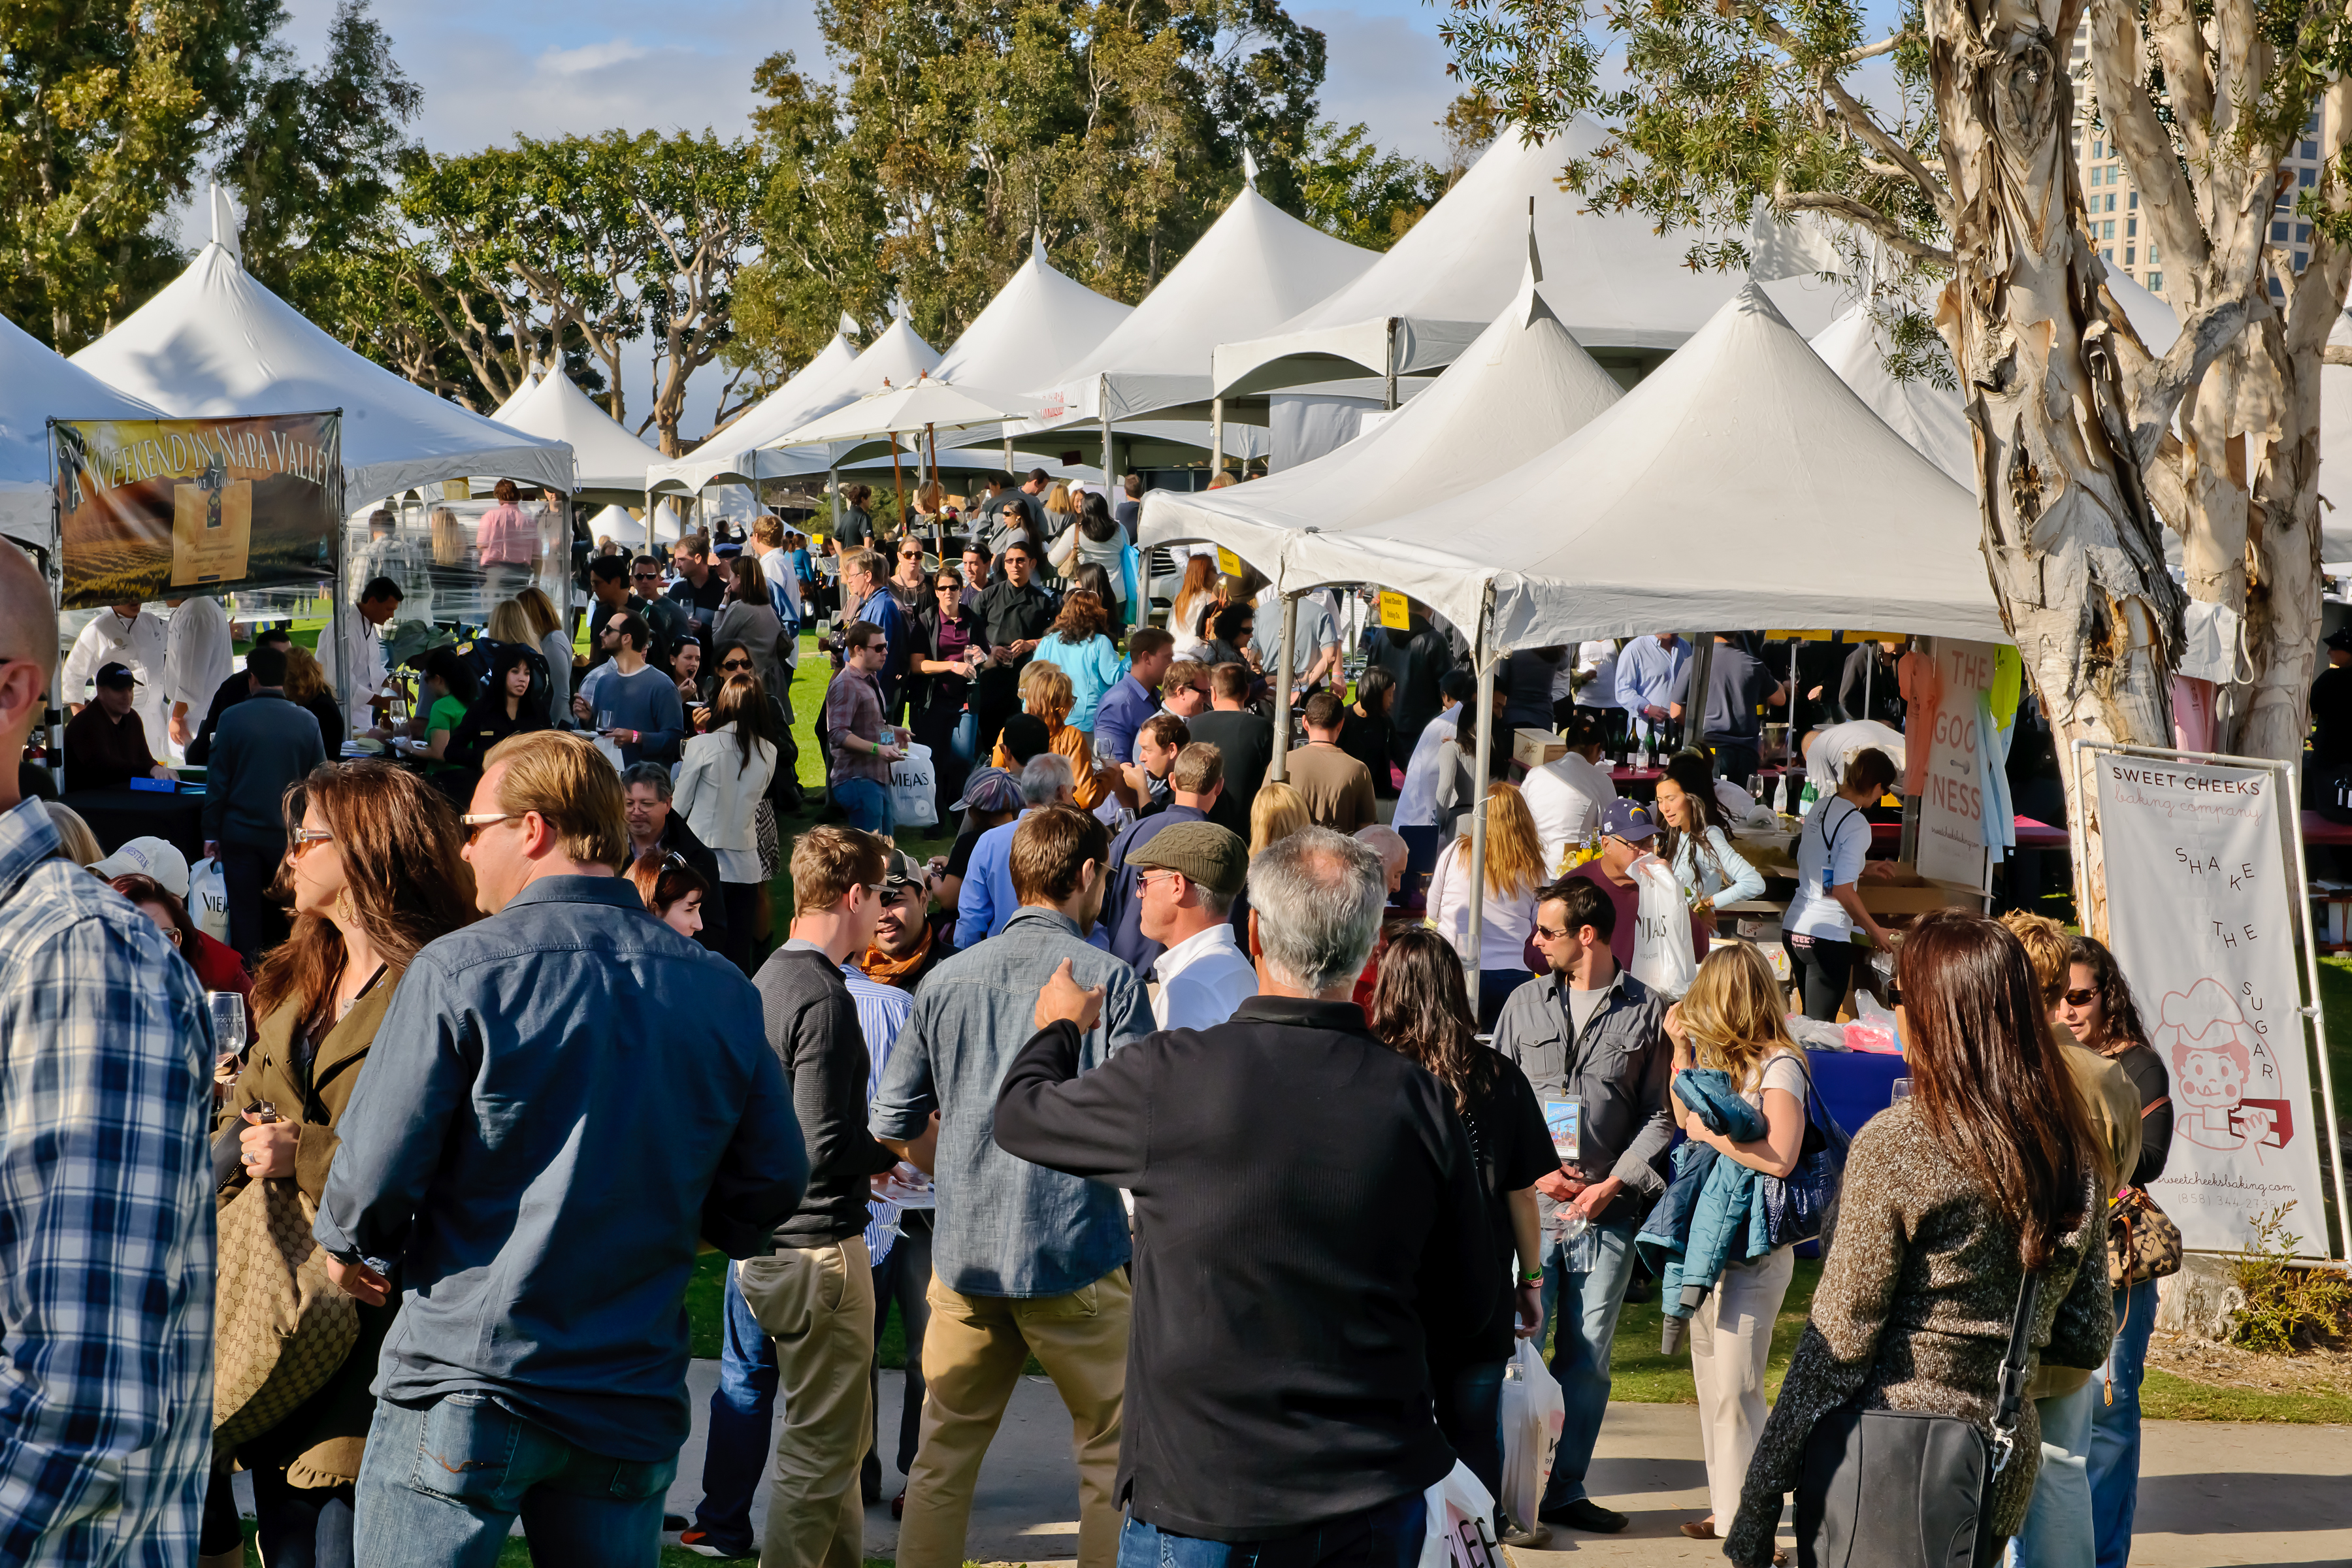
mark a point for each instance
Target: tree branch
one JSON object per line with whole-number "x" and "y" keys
{"x": 2165, "y": 199}
{"x": 2202, "y": 336}
{"x": 1864, "y": 125}
{"x": 1866, "y": 216}
{"x": 1885, "y": 46}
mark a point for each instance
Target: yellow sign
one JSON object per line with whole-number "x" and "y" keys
{"x": 1228, "y": 563}
{"x": 211, "y": 529}
{"x": 1392, "y": 612}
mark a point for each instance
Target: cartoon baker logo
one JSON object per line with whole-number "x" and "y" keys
{"x": 2222, "y": 1072}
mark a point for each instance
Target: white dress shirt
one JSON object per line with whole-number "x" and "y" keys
{"x": 1565, "y": 797}
{"x": 197, "y": 657}
{"x": 1201, "y": 980}
{"x": 1416, "y": 804}
{"x": 360, "y": 660}
{"x": 139, "y": 645}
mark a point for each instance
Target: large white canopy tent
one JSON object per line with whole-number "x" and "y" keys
{"x": 615, "y": 523}
{"x": 1255, "y": 267}
{"x": 2335, "y": 454}
{"x": 40, "y": 385}
{"x": 214, "y": 343}
{"x": 1927, "y": 415}
{"x": 1040, "y": 320}
{"x": 608, "y": 463}
{"x": 725, "y": 456}
{"x": 1616, "y": 282}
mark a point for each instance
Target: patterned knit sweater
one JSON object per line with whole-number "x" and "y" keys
{"x": 1913, "y": 1313}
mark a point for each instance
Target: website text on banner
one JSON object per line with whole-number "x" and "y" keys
{"x": 149, "y": 509}
{"x": 2201, "y": 915}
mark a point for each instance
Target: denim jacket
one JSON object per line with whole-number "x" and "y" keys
{"x": 561, "y": 1099}
{"x": 1616, "y": 1071}
{"x": 1004, "y": 1227}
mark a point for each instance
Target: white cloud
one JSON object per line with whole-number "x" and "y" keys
{"x": 592, "y": 57}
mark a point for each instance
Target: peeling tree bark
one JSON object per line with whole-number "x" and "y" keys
{"x": 2069, "y": 537}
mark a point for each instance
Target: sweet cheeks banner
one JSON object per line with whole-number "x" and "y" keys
{"x": 150, "y": 509}
{"x": 2200, "y": 909}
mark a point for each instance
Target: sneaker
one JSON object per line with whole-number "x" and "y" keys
{"x": 700, "y": 1542}
{"x": 1585, "y": 1514}
{"x": 674, "y": 1523}
{"x": 1531, "y": 1538}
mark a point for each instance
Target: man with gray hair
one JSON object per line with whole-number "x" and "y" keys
{"x": 987, "y": 899}
{"x": 655, "y": 829}
{"x": 1289, "y": 1270}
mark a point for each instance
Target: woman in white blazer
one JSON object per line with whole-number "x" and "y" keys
{"x": 721, "y": 779}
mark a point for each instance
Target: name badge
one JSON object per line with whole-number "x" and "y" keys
{"x": 1565, "y": 1118}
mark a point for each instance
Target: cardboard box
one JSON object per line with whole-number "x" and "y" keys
{"x": 1535, "y": 747}
{"x": 1908, "y": 893}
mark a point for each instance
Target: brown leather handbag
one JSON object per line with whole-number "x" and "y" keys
{"x": 2142, "y": 1241}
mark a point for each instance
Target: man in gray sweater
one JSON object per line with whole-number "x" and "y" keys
{"x": 815, "y": 1296}
{"x": 264, "y": 744}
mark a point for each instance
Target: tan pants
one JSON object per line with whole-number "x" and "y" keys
{"x": 817, "y": 1304}
{"x": 973, "y": 1354}
{"x": 1731, "y": 1339}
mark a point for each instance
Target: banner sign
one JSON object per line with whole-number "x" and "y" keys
{"x": 2201, "y": 915}
{"x": 1953, "y": 803}
{"x": 150, "y": 509}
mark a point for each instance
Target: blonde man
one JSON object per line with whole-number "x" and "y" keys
{"x": 566, "y": 1095}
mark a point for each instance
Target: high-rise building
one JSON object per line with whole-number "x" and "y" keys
{"x": 2111, "y": 204}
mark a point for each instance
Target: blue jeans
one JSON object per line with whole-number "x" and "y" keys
{"x": 868, "y": 803}
{"x": 2057, "y": 1531}
{"x": 1587, "y": 1277}
{"x": 1469, "y": 1413}
{"x": 743, "y": 1420}
{"x": 441, "y": 1486}
{"x": 2114, "y": 1428}
{"x": 1388, "y": 1536}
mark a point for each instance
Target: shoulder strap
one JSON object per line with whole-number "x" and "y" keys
{"x": 2012, "y": 1367}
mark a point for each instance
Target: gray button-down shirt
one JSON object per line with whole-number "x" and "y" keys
{"x": 1004, "y": 1227}
{"x": 1616, "y": 1071}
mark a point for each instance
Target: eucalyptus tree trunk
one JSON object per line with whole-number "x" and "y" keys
{"x": 2069, "y": 537}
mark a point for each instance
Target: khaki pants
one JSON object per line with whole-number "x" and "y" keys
{"x": 1731, "y": 1338}
{"x": 817, "y": 1304}
{"x": 972, "y": 1356}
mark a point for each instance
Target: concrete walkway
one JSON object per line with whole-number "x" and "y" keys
{"x": 2211, "y": 1493}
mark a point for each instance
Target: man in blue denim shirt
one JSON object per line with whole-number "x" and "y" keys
{"x": 1025, "y": 1259}
{"x": 563, "y": 1100}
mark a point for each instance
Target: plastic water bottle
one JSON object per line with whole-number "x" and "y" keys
{"x": 1568, "y": 1223}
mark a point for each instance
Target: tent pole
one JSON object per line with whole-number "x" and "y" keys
{"x": 931, "y": 440}
{"x": 1278, "y": 768}
{"x": 1701, "y": 663}
{"x": 1388, "y": 391}
{"x": 1008, "y": 454}
{"x": 1105, "y": 406}
{"x": 898, "y": 481}
{"x": 1216, "y": 436}
{"x": 1485, "y": 730}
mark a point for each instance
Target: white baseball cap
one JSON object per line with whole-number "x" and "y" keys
{"x": 149, "y": 856}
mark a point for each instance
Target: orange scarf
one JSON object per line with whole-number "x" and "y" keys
{"x": 885, "y": 970}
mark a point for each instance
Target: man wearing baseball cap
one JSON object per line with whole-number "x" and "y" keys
{"x": 1186, "y": 876}
{"x": 1629, "y": 830}
{"x": 106, "y": 743}
{"x": 905, "y": 947}
{"x": 149, "y": 856}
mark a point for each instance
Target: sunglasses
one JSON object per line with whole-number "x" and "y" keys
{"x": 475, "y": 822}
{"x": 735, "y": 664}
{"x": 2079, "y": 998}
{"x": 306, "y": 837}
{"x": 910, "y": 555}
{"x": 1545, "y": 933}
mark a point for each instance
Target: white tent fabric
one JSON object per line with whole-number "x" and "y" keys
{"x": 1743, "y": 484}
{"x": 214, "y": 344}
{"x": 36, "y": 386}
{"x": 1523, "y": 386}
{"x": 529, "y": 385}
{"x": 1039, "y": 321}
{"x": 1927, "y": 415}
{"x": 606, "y": 457}
{"x": 2336, "y": 450}
{"x": 727, "y": 452}
{"x": 1616, "y": 283}
{"x": 1255, "y": 267}
{"x": 615, "y": 523}
{"x": 2155, "y": 321}
{"x": 740, "y": 453}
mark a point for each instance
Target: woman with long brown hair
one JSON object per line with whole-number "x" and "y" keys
{"x": 720, "y": 783}
{"x": 1987, "y": 1171}
{"x": 1515, "y": 873}
{"x": 375, "y": 872}
{"x": 1420, "y": 1009}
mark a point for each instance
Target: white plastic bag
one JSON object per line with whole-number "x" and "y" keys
{"x": 1663, "y": 957}
{"x": 1460, "y": 1530}
{"x": 1533, "y": 1412}
{"x": 208, "y": 898}
{"x": 913, "y": 788}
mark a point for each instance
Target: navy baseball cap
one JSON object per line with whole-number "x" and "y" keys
{"x": 1627, "y": 819}
{"x": 116, "y": 677}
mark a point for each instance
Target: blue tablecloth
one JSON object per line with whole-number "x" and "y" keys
{"x": 1854, "y": 1085}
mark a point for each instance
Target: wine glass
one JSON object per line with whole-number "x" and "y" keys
{"x": 1902, "y": 1092}
{"x": 227, "y": 1009}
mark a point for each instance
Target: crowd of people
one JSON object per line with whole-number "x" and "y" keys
{"x": 523, "y": 1044}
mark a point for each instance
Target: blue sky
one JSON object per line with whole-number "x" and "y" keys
{"x": 492, "y": 70}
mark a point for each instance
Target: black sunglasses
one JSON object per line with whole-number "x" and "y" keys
{"x": 734, "y": 664}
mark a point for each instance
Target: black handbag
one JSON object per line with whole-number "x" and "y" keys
{"x": 1902, "y": 1488}
{"x": 1802, "y": 1205}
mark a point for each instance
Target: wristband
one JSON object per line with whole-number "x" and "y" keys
{"x": 1532, "y": 1276}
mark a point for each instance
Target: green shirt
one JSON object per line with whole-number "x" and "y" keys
{"x": 448, "y": 714}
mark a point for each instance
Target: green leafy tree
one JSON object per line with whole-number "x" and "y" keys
{"x": 1368, "y": 197}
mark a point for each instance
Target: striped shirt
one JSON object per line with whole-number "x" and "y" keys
{"x": 106, "y": 1220}
{"x": 881, "y": 1013}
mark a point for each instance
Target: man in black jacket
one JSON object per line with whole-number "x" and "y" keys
{"x": 228, "y": 693}
{"x": 1289, "y": 1270}
{"x": 1244, "y": 742}
{"x": 815, "y": 1296}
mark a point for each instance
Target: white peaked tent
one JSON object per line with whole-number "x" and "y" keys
{"x": 728, "y": 450}
{"x": 1616, "y": 283}
{"x": 1742, "y": 484}
{"x": 615, "y": 523}
{"x": 2336, "y": 452}
{"x": 1927, "y": 415}
{"x": 1521, "y": 387}
{"x": 529, "y": 385}
{"x": 40, "y": 385}
{"x": 1255, "y": 267}
{"x": 606, "y": 459}
{"x": 1039, "y": 321}
{"x": 214, "y": 344}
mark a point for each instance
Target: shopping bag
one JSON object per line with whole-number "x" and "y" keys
{"x": 1460, "y": 1529}
{"x": 1663, "y": 957}
{"x": 208, "y": 898}
{"x": 913, "y": 788}
{"x": 965, "y": 742}
{"x": 1533, "y": 1412}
